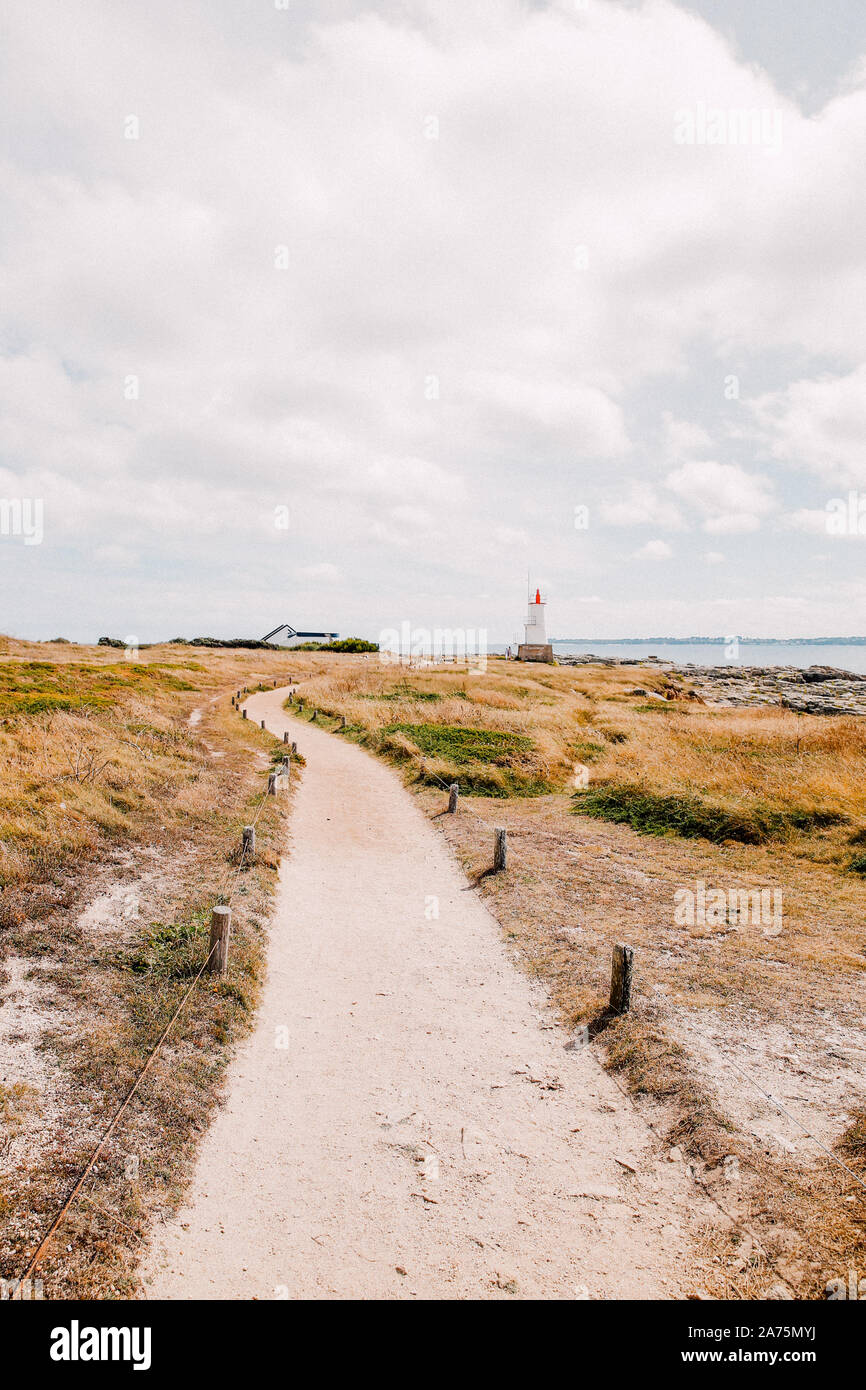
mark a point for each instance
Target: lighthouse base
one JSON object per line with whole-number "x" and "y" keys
{"x": 534, "y": 651}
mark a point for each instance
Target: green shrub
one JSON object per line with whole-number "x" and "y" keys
{"x": 588, "y": 752}
{"x": 460, "y": 744}
{"x": 351, "y": 644}
{"x": 692, "y": 816}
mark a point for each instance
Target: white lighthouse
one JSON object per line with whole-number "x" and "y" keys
{"x": 535, "y": 632}
{"x": 535, "y": 646}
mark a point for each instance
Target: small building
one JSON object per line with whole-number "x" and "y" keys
{"x": 535, "y": 646}
{"x": 287, "y": 636}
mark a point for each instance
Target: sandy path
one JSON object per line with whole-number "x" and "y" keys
{"x": 424, "y": 1133}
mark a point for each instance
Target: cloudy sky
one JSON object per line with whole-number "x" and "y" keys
{"x": 349, "y": 314}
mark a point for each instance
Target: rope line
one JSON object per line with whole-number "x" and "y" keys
{"x": 428, "y": 772}
{"x": 121, "y": 1109}
{"x": 694, "y": 1174}
{"x": 118, "y": 1114}
{"x": 794, "y": 1119}
{"x": 773, "y": 1099}
{"x": 462, "y": 805}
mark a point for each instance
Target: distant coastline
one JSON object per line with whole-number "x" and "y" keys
{"x": 745, "y": 653}
{"x": 712, "y": 641}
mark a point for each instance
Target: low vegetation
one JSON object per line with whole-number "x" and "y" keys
{"x": 748, "y": 776}
{"x": 695, "y": 816}
{"x": 120, "y": 823}
{"x": 615, "y": 798}
{"x": 618, "y": 794}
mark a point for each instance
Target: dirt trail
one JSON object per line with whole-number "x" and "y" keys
{"x": 420, "y": 1129}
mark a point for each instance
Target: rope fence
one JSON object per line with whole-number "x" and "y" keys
{"x": 217, "y": 961}
{"x": 622, "y": 988}
{"x": 622, "y": 960}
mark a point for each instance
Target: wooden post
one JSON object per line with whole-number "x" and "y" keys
{"x": 263, "y": 723}
{"x": 244, "y": 713}
{"x": 315, "y": 716}
{"x": 342, "y": 721}
{"x": 249, "y": 840}
{"x": 500, "y": 849}
{"x": 286, "y": 736}
{"x": 453, "y": 796}
{"x": 272, "y": 784}
{"x": 620, "y": 979}
{"x": 294, "y": 749}
{"x": 291, "y": 697}
{"x": 220, "y": 926}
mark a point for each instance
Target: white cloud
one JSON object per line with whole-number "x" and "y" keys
{"x": 730, "y": 499}
{"x": 819, "y": 425}
{"x": 714, "y": 557}
{"x": 436, "y": 378}
{"x": 812, "y": 520}
{"x": 114, "y": 555}
{"x": 581, "y": 415}
{"x": 684, "y": 436}
{"x": 325, "y": 572}
{"x": 640, "y": 505}
{"x": 654, "y": 550}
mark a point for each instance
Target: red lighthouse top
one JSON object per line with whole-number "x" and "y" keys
{"x": 538, "y": 596}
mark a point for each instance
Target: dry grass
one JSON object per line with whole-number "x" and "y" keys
{"x": 677, "y": 793}
{"x": 111, "y": 794}
{"x": 665, "y": 765}
{"x": 112, "y": 773}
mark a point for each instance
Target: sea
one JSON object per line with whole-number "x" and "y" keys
{"x": 846, "y": 656}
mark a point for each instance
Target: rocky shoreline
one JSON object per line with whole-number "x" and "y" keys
{"x": 815, "y": 690}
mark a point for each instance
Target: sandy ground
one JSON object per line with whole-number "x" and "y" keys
{"x": 406, "y": 1119}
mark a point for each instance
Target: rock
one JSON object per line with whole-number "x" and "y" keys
{"x": 829, "y": 673}
{"x": 820, "y": 690}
